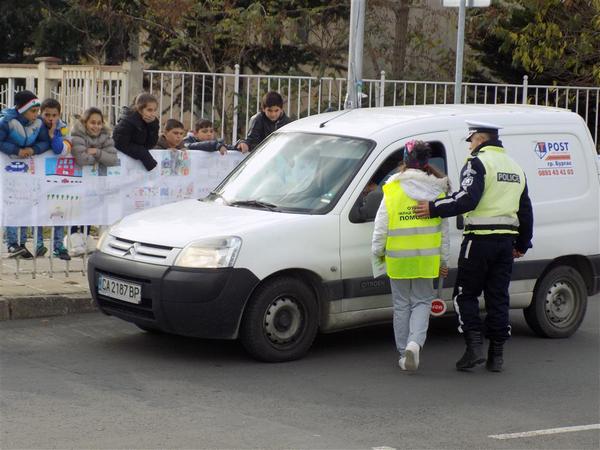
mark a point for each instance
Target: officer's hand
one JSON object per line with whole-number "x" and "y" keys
{"x": 443, "y": 271}
{"x": 422, "y": 210}
{"x": 517, "y": 253}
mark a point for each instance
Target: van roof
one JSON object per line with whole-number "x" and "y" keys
{"x": 369, "y": 122}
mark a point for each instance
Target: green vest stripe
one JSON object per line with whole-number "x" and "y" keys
{"x": 420, "y": 252}
{"x": 416, "y": 230}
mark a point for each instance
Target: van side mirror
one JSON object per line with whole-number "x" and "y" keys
{"x": 460, "y": 222}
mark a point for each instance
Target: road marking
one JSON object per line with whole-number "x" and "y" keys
{"x": 383, "y": 448}
{"x": 595, "y": 426}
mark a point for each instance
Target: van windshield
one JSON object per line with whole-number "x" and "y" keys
{"x": 294, "y": 172}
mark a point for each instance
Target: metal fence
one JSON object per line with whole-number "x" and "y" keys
{"x": 230, "y": 100}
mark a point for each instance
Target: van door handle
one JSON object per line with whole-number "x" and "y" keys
{"x": 460, "y": 222}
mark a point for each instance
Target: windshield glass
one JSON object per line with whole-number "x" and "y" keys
{"x": 294, "y": 172}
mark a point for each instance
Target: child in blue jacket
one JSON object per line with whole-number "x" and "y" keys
{"x": 20, "y": 137}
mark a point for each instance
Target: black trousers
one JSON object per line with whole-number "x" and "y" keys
{"x": 484, "y": 265}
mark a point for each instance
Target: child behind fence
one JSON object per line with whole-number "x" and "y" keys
{"x": 172, "y": 137}
{"x": 60, "y": 143}
{"x": 20, "y": 137}
{"x": 137, "y": 130}
{"x": 271, "y": 118}
{"x": 203, "y": 138}
{"x": 92, "y": 141}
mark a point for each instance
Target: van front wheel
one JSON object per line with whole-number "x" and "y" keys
{"x": 280, "y": 321}
{"x": 559, "y": 303}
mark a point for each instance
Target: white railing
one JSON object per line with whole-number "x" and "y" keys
{"x": 230, "y": 99}
{"x": 102, "y": 87}
{"x": 76, "y": 87}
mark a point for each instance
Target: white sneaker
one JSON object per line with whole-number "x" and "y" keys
{"x": 412, "y": 356}
{"x": 402, "y": 363}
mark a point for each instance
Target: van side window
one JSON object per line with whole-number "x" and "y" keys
{"x": 367, "y": 204}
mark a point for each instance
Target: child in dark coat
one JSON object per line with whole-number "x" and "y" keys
{"x": 137, "y": 130}
{"x": 271, "y": 118}
{"x": 203, "y": 138}
{"x": 172, "y": 137}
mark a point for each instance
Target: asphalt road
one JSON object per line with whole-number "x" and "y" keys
{"x": 90, "y": 381}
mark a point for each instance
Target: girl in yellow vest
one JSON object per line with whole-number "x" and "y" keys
{"x": 415, "y": 250}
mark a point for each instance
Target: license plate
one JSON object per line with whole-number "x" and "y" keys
{"x": 119, "y": 289}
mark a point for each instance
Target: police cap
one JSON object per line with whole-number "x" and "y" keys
{"x": 481, "y": 127}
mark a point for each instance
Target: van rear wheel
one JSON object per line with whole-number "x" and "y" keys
{"x": 559, "y": 303}
{"x": 280, "y": 321}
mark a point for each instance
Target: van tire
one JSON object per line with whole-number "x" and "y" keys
{"x": 559, "y": 303}
{"x": 280, "y": 321}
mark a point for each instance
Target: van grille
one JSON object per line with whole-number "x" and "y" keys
{"x": 141, "y": 251}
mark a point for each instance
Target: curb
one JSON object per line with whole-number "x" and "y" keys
{"x": 12, "y": 308}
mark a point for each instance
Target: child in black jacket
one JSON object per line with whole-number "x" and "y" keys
{"x": 137, "y": 130}
{"x": 203, "y": 138}
{"x": 271, "y": 118}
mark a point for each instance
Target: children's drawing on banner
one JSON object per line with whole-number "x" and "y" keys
{"x": 146, "y": 197}
{"x": 63, "y": 170}
{"x": 62, "y": 206}
{"x": 175, "y": 193}
{"x": 21, "y": 166}
{"x": 21, "y": 192}
{"x": 100, "y": 170}
{"x": 175, "y": 163}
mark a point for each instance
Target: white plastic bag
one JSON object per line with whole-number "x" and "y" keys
{"x": 91, "y": 244}
{"x": 75, "y": 244}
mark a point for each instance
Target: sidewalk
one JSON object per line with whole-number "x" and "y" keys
{"x": 48, "y": 294}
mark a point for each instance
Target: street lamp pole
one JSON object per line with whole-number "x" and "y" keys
{"x": 355, "y": 54}
{"x": 460, "y": 45}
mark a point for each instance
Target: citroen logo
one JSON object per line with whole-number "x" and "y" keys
{"x": 132, "y": 250}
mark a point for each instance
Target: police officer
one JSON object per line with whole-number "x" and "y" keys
{"x": 498, "y": 228}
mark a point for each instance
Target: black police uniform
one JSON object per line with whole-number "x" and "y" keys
{"x": 485, "y": 261}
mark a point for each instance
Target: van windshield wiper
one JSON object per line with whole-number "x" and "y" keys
{"x": 259, "y": 203}
{"x": 217, "y": 194}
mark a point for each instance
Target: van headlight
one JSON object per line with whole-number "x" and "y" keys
{"x": 102, "y": 241}
{"x": 210, "y": 253}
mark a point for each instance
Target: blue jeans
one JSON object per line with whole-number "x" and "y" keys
{"x": 12, "y": 239}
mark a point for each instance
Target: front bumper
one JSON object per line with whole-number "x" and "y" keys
{"x": 206, "y": 303}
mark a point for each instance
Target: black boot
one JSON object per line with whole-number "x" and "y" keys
{"x": 474, "y": 353}
{"x": 495, "y": 359}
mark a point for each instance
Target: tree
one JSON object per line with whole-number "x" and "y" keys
{"x": 552, "y": 41}
{"x": 90, "y": 31}
{"x": 403, "y": 37}
{"x": 77, "y": 31}
{"x": 214, "y": 35}
{"x": 18, "y": 26}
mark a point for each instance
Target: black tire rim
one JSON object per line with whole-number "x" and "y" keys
{"x": 283, "y": 321}
{"x": 560, "y": 304}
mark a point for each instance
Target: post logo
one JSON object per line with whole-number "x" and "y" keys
{"x": 540, "y": 149}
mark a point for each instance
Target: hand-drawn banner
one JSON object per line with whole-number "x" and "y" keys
{"x": 52, "y": 190}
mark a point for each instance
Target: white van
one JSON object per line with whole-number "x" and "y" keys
{"x": 278, "y": 251}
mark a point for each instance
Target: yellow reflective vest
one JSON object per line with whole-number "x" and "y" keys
{"x": 413, "y": 245}
{"x": 496, "y": 212}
